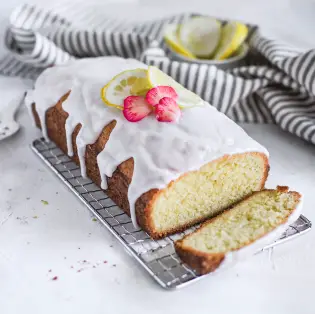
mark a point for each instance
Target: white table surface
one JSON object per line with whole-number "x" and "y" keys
{"x": 64, "y": 234}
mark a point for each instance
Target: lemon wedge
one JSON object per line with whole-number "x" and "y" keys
{"x": 186, "y": 98}
{"x": 124, "y": 84}
{"x": 171, "y": 39}
{"x": 200, "y": 35}
{"x": 233, "y": 36}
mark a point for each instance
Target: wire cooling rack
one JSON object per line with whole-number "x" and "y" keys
{"x": 157, "y": 257}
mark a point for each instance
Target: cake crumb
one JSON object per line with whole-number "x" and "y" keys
{"x": 55, "y": 278}
{"x": 44, "y": 202}
{"x": 117, "y": 281}
{"x": 105, "y": 262}
{"x": 49, "y": 270}
{"x": 114, "y": 265}
{"x": 23, "y": 219}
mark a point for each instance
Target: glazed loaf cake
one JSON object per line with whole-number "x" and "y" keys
{"x": 166, "y": 176}
{"x": 240, "y": 232}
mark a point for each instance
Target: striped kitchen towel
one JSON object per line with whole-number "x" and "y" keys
{"x": 276, "y": 86}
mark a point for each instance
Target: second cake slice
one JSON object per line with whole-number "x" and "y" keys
{"x": 242, "y": 231}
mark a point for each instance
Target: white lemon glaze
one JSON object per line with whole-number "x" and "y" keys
{"x": 161, "y": 151}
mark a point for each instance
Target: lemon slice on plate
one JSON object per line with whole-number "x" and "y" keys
{"x": 124, "y": 84}
{"x": 233, "y": 36}
{"x": 186, "y": 98}
{"x": 200, "y": 35}
{"x": 171, "y": 39}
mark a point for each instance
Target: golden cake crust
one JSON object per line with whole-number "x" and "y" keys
{"x": 205, "y": 263}
{"x": 117, "y": 184}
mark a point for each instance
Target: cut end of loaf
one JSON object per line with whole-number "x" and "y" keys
{"x": 248, "y": 221}
{"x": 202, "y": 194}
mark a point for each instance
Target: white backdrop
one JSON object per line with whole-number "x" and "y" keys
{"x": 281, "y": 284}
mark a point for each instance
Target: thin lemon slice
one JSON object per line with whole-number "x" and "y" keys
{"x": 103, "y": 90}
{"x": 186, "y": 98}
{"x": 121, "y": 86}
{"x": 140, "y": 86}
{"x": 233, "y": 36}
{"x": 171, "y": 39}
{"x": 200, "y": 35}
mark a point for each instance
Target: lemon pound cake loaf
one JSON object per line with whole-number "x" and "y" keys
{"x": 240, "y": 232}
{"x": 166, "y": 157}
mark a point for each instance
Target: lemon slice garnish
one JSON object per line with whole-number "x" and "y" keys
{"x": 124, "y": 84}
{"x": 103, "y": 90}
{"x": 186, "y": 98}
{"x": 200, "y": 35}
{"x": 171, "y": 39}
{"x": 140, "y": 86}
{"x": 233, "y": 36}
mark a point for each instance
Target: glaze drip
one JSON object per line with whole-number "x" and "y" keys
{"x": 162, "y": 152}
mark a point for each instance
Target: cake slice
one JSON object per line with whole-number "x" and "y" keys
{"x": 166, "y": 176}
{"x": 240, "y": 232}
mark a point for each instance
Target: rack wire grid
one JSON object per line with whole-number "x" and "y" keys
{"x": 157, "y": 257}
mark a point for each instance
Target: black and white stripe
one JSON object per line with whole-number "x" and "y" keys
{"x": 277, "y": 86}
